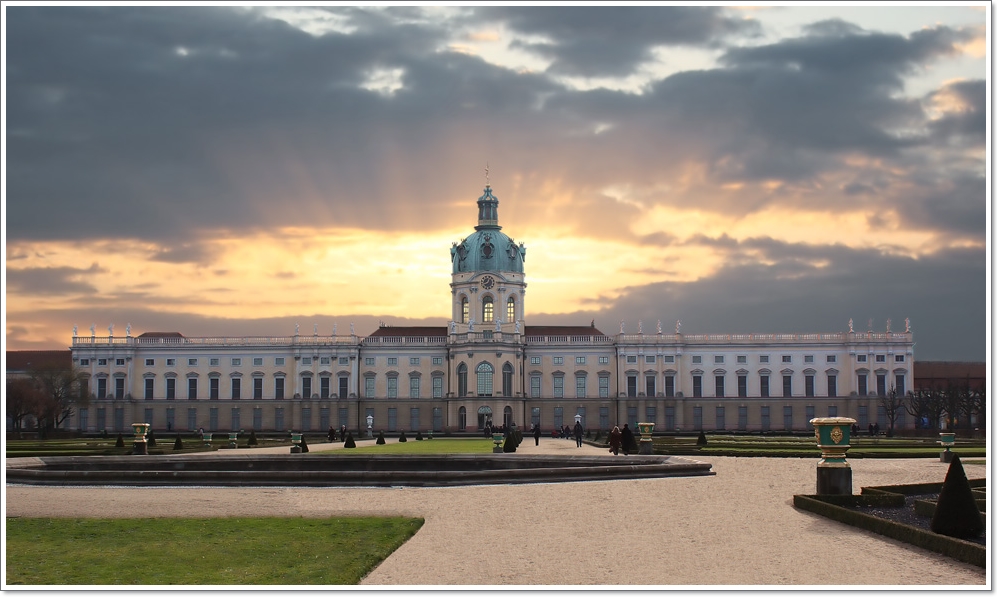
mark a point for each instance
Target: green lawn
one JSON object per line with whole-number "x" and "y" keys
{"x": 212, "y": 551}
{"x": 427, "y": 446}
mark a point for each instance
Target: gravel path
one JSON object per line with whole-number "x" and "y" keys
{"x": 738, "y": 527}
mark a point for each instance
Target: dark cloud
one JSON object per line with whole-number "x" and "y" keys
{"x": 615, "y": 40}
{"x": 971, "y": 120}
{"x": 185, "y": 253}
{"x": 48, "y": 281}
{"x": 811, "y": 289}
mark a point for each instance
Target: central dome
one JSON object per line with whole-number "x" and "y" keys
{"x": 488, "y": 249}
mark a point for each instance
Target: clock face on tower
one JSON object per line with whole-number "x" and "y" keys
{"x": 488, "y": 282}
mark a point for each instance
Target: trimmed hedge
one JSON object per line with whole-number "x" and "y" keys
{"x": 829, "y": 507}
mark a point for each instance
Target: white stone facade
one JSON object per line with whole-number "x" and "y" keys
{"x": 485, "y": 365}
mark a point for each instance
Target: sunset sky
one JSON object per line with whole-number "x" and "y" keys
{"x": 236, "y": 170}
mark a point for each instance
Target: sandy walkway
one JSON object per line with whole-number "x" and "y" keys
{"x": 738, "y": 527}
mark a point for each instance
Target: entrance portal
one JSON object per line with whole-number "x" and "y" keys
{"x": 484, "y": 416}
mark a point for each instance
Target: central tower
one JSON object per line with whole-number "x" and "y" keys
{"x": 487, "y": 283}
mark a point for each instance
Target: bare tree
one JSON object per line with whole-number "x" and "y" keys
{"x": 892, "y": 405}
{"x": 22, "y": 400}
{"x": 61, "y": 392}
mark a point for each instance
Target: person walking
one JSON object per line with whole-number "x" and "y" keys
{"x": 627, "y": 440}
{"x": 537, "y": 434}
{"x": 331, "y": 435}
{"x": 615, "y": 440}
{"x": 578, "y": 434}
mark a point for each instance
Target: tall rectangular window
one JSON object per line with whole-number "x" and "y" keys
{"x": 279, "y": 388}
{"x": 234, "y": 422}
{"x": 862, "y": 418}
{"x": 171, "y": 388}
{"x": 306, "y": 387}
{"x": 719, "y": 418}
{"x": 787, "y": 386}
{"x": 808, "y": 415}
{"x": 324, "y": 387}
{"x": 861, "y": 384}
{"x": 414, "y": 418}
{"x": 632, "y": 417}
{"x": 650, "y": 414}
{"x": 604, "y": 417}
{"x": 192, "y": 388}
{"x": 213, "y": 388}
{"x": 414, "y": 387}
{"x": 559, "y": 386}
{"x": 670, "y": 386}
{"x": 742, "y": 386}
{"x": 150, "y": 385}
{"x": 438, "y": 387}
{"x": 650, "y": 385}
{"x": 171, "y": 419}
{"x": 213, "y": 419}
{"x": 764, "y": 386}
{"x": 257, "y": 388}
{"x": 809, "y": 385}
{"x": 899, "y": 384}
{"x": 719, "y": 386}
{"x": 535, "y": 386}
{"x": 881, "y": 384}
{"x": 697, "y": 386}
{"x": 393, "y": 416}
{"x": 742, "y": 418}
{"x": 535, "y": 416}
{"x": 580, "y": 386}
{"x": 236, "y": 384}
{"x": 559, "y": 417}
{"x": 279, "y": 419}
{"x": 604, "y": 386}
{"x": 764, "y": 417}
{"x": 393, "y": 387}
{"x": 698, "y": 418}
{"x": 258, "y": 419}
{"x": 119, "y": 387}
{"x": 344, "y": 386}
{"x": 368, "y": 387}
{"x": 832, "y": 389}
{"x": 632, "y": 386}
{"x": 306, "y": 419}
{"x": 788, "y": 417}
{"x": 833, "y": 410}
{"x": 192, "y": 419}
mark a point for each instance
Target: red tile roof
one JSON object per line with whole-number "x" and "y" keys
{"x": 928, "y": 373}
{"x": 411, "y": 331}
{"x": 25, "y": 360}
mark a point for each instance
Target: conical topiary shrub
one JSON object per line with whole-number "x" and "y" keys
{"x": 178, "y": 444}
{"x": 381, "y": 438}
{"x": 419, "y": 436}
{"x": 348, "y": 442}
{"x": 402, "y": 437}
{"x": 252, "y": 439}
{"x": 303, "y": 444}
{"x": 510, "y": 444}
{"x": 702, "y": 439}
{"x": 956, "y": 511}
{"x": 151, "y": 439}
{"x": 120, "y": 442}
{"x": 599, "y": 434}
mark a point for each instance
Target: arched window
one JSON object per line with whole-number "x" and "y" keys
{"x": 507, "y": 380}
{"x": 462, "y": 380}
{"x": 487, "y": 309}
{"x": 507, "y": 416}
{"x": 462, "y": 419}
{"x": 510, "y": 309}
{"x": 464, "y": 309}
{"x": 484, "y": 372}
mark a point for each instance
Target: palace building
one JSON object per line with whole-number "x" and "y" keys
{"x": 488, "y": 365}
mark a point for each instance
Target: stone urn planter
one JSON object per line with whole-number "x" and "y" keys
{"x": 296, "y": 443}
{"x": 834, "y": 473}
{"x": 947, "y": 441}
{"x": 139, "y": 445}
{"x": 645, "y": 443}
{"x": 497, "y": 440}
{"x": 233, "y": 438}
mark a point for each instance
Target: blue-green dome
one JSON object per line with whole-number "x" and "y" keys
{"x": 488, "y": 249}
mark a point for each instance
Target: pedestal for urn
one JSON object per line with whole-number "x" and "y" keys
{"x": 139, "y": 445}
{"x": 497, "y": 440}
{"x": 947, "y": 441}
{"x": 834, "y": 476}
{"x": 296, "y": 443}
{"x": 644, "y": 444}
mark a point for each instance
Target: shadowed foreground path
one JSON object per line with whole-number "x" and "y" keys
{"x": 736, "y": 527}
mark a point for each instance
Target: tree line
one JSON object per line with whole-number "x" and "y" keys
{"x": 937, "y": 407}
{"x": 48, "y": 395}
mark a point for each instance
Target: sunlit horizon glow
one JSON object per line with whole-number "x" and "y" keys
{"x": 739, "y": 168}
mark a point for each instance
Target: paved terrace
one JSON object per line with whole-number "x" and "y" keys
{"x": 737, "y": 527}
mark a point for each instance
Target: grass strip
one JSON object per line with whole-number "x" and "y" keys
{"x": 427, "y": 446}
{"x": 200, "y": 551}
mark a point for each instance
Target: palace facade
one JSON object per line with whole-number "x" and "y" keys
{"x": 488, "y": 365}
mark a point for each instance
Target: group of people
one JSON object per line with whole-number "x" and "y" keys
{"x": 622, "y": 440}
{"x": 565, "y": 432}
{"x": 503, "y": 429}
{"x": 331, "y": 435}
